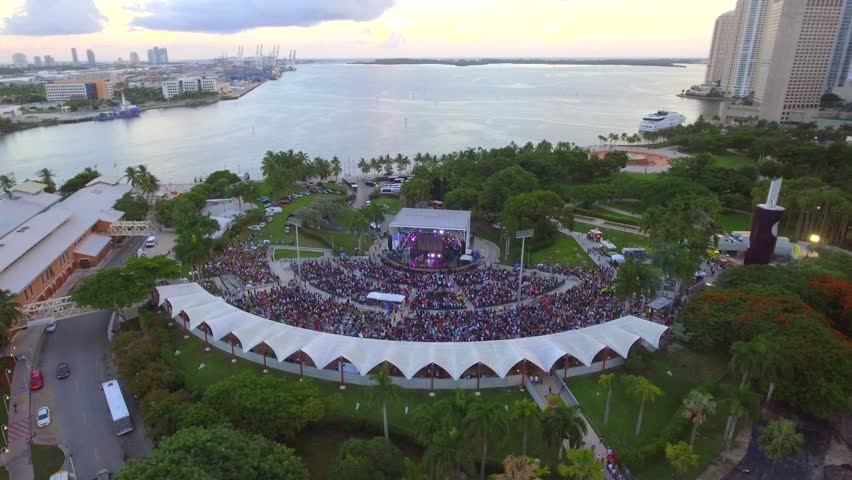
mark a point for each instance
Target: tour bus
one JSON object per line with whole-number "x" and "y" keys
{"x": 637, "y": 253}
{"x": 121, "y": 421}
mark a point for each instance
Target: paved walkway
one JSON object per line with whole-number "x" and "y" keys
{"x": 19, "y": 459}
{"x": 599, "y": 222}
{"x": 620, "y": 211}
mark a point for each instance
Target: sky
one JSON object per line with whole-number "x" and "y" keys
{"x": 200, "y": 29}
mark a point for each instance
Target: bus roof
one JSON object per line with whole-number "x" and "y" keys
{"x": 115, "y": 401}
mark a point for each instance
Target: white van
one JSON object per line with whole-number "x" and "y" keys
{"x": 273, "y": 210}
{"x": 151, "y": 241}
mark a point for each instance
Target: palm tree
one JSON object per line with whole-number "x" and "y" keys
{"x": 10, "y": 311}
{"x": 742, "y": 403}
{"x": 696, "y": 406}
{"x": 613, "y": 137}
{"x": 520, "y": 468}
{"x": 580, "y": 464}
{"x": 624, "y": 137}
{"x": 636, "y": 278}
{"x": 402, "y": 162}
{"x": 602, "y": 138}
{"x": 46, "y": 176}
{"x": 526, "y": 411}
{"x": 364, "y": 166}
{"x": 384, "y": 390}
{"x": 681, "y": 456}
{"x": 336, "y": 168}
{"x": 605, "y": 380}
{"x": 642, "y": 389}
{"x": 748, "y": 357}
{"x": 779, "y": 441}
{"x": 483, "y": 419}
{"x": 322, "y": 168}
{"x": 148, "y": 184}
{"x": 560, "y": 422}
{"x": 359, "y": 224}
{"x": 412, "y": 471}
{"x": 7, "y": 184}
{"x": 132, "y": 175}
{"x": 446, "y": 453}
{"x": 193, "y": 249}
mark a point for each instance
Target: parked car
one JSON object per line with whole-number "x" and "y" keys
{"x": 284, "y": 201}
{"x": 264, "y": 199}
{"x": 51, "y": 326}
{"x": 36, "y": 380}
{"x": 261, "y": 224}
{"x": 150, "y": 241}
{"x": 368, "y": 203}
{"x": 255, "y": 228}
{"x": 273, "y": 210}
{"x": 63, "y": 370}
{"x": 103, "y": 475}
{"x": 370, "y": 184}
{"x": 43, "y": 417}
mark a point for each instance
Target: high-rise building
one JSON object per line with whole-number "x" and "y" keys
{"x": 49, "y": 61}
{"x": 158, "y": 56}
{"x": 74, "y": 59}
{"x": 90, "y": 57}
{"x": 841, "y": 57}
{"x": 722, "y": 47}
{"x": 751, "y": 16}
{"x": 798, "y": 41}
{"x": 134, "y": 58}
{"x": 37, "y": 61}
{"x": 19, "y": 60}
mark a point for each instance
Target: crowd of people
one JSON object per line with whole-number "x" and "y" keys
{"x": 438, "y": 300}
{"x": 492, "y": 286}
{"x": 244, "y": 260}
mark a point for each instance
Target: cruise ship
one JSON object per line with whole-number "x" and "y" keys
{"x": 660, "y": 120}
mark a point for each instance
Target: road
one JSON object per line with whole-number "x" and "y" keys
{"x": 81, "y": 419}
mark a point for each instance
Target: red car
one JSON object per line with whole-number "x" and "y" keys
{"x": 283, "y": 201}
{"x": 36, "y": 380}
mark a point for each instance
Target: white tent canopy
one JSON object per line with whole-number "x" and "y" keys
{"x": 386, "y": 297}
{"x": 410, "y": 357}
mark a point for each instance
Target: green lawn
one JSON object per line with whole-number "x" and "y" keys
{"x": 280, "y": 253}
{"x": 731, "y": 160}
{"x": 564, "y": 250}
{"x": 675, "y": 373}
{"x": 602, "y": 213}
{"x": 393, "y": 204}
{"x": 274, "y": 230}
{"x": 732, "y": 221}
{"x": 47, "y": 460}
{"x": 639, "y": 177}
{"x": 632, "y": 207}
{"x": 619, "y": 238}
{"x": 367, "y": 419}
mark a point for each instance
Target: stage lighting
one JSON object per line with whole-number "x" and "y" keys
{"x": 441, "y": 232}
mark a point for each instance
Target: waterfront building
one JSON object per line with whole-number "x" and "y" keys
{"x": 64, "y": 90}
{"x": 134, "y": 58}
{"x": 177, "y": 86}
{"x": 841, "y": 56}
{"x": 722, "y": 47}
{"x": 74, "y": 59}
{"x": 19, "y": 60}
{"x": 49, "y": 61}
{"x": 37, "y": 61}
{"x": 90, "y": 57}
{"x": 44, "y": 240}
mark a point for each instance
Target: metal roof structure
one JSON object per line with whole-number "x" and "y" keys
{"x": 199, "y": 306}
{"x": 92, "y": 245}
{"x": 427, "y": 218}
{"x": 21, "y": 207}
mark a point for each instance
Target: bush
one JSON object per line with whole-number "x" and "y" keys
{"x": 375, "y": 459}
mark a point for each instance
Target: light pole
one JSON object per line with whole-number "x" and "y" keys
{"x": 814, "y": 239}
{"x": 4, "y": 451}
{"x": 6, "y": 403}
{"x": 297, "y": 222}
{"x": 523, "y": 235}
{"x": 3, "y": 429}
{"x": 7, "y": 372}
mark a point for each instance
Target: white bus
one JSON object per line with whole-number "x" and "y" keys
{"x": 121, "y": 421}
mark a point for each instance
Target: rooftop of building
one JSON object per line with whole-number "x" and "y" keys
{"x": 23, "y": 205}
{"x": 429, "y": 218}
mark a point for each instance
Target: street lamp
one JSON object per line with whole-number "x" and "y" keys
{"x": 297, "y": 222}
{"x": 523, "y": 235}
{"x": 7, "y": 372}
{"x": 814, "y": 238}
{"x": 3, "y": 430}
{"x": 6, "y": 403}
{"x": 4, "y": 451}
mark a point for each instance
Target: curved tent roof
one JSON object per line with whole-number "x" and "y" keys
{"x": 410, "y": 357}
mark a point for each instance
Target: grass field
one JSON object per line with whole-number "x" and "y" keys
{"x": 639, "y": 177}
{"x": 732, "y": 220}
{"x": 565, "y": 250}
{"x": 619, "y": 238}
{"x": 732, "y": 161}
{"x": 281, "y": 253}
{"x": 274, "y": 230}
{"x": 365, "y": 420}
{"x": 675, "y": 373}
{"x": 632, "y": 207}
{"x": 393, "y": 204}
{"x": 47, "y": 460}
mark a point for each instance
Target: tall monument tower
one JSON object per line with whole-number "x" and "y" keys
{"x": 764, "y": 227}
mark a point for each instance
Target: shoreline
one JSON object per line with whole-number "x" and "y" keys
{"x": 668, "y": 63}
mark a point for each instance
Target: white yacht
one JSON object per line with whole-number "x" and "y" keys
{"x": 660, "y": 120}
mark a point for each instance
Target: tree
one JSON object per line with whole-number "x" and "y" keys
{"x": 560, "y": 422}
{"x": 78, "y": 181}
{"x": 416, "y": 190}
{"x": 7, "y": 184}
{"x": 242, "y": 191}
{"x": 120, "y": 288}
{"x": 581, "y": 464}
{"x": 199, "y": 414}
{"x": 503, "y": 185}
{"x": 696, "y": 406}
{"x": 46, "y": 176}
{"x": 359, "y": 225}
{"x": 520, "y": 468}
{"x": 446, "y": 452}
{"x": 527, "y": 412}
{"x": 681, "y": 456}
{"x": 484, "y": 419}
{"x": 134, "y": 208}
{"x": 10, "y": 311}
{"x": 221, "y": 453}
{"x": 605, "y": 380}
{"x": 541, "y": 210}
{"x": 335, "y": 167}
{"x": 131, "y": 174}
{"x": 636, "y": 278}
{"x": 364, "y": 166}
{"x": 193, "y": 248}
{"x": 780, "y": 441}
{"x": 741, "y": 403}
{"x": 642, "y": 389}
{"x": 374, "y": 459}
{"x": 412, "y": 471}
{"x": 461, "y": 198}
{"x": 384, "y": 390}
{"x": 748, "y": 357}
{"x": 322, "y": 168}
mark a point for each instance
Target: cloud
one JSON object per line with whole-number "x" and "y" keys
{"x": 229, "y": 16}
{"x": 394, "y": 40}
{"x": 54, "y": 17}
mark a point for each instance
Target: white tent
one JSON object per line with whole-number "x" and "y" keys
{"x": 410, "y": 357}
{"x": 386, "y": 297}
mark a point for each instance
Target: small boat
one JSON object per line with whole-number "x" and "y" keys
{"x": 124, "y": 110}
{"x": 660, "y": 120}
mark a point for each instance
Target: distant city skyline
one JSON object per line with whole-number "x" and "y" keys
{"x": 368, "y": 28}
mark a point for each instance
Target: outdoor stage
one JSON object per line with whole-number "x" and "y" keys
{"x": 424, "y": 238}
